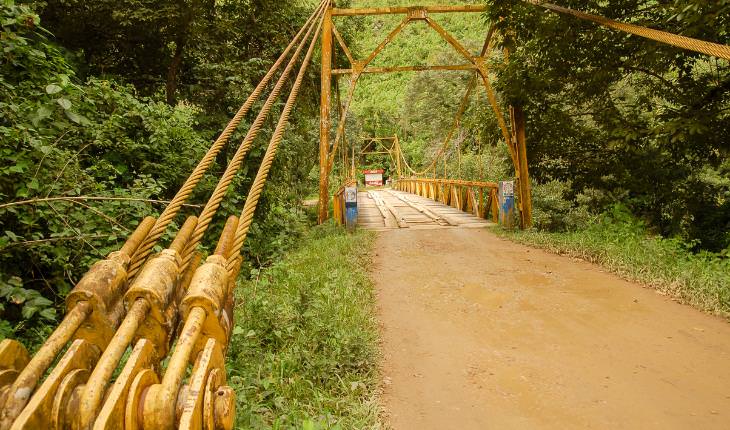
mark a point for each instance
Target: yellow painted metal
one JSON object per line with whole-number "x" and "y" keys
{"x": 406, "y": 10}
{"x": 523, "y": 174}
{"x": 324, "y": 125}
{"x": 206, "y": 315}
{"x": 196, "y": 412}
{"x": 93, "y": 310}
{"x": 13, "y": 358}
{"x": 453, "y": 194}
{"x": 481, "y": 65}
{"x": 131, "y": 302}
{"x": 394, "y": 151}
{"x": 93, "y": 391}
{"x": 106, "y": 315}
{"x": 337, "y": 205}
{"x": 65, "y": 403}
{"x": 13, "y": 355}
{"x": 133, "y": 416}
{"x": 112, "y": 414}
{"x": 38, "y": 412}
{"x": 147, "y": 300}
{"x": 479, "y": 198}
{"x": 224, "y": 408}
{"x": 343, "y": 45}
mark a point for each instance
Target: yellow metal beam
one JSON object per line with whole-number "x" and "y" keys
{"x": 405, "y": 10}
{"x": 401, "y": 69}
{"x": 324, "y": 121}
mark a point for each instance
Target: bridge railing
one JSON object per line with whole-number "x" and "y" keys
{"x": 338, "y": 206}
{"x": 478, "y": 198}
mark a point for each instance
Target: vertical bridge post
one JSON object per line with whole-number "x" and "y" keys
{"x": 525, "y": 189}
{"x": 324, "y": 123}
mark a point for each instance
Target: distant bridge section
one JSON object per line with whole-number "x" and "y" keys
{"x": 389, "y": 209}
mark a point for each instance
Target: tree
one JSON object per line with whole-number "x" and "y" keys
{"x": 643, "y": 122}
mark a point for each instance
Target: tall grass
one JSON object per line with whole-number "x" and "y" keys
{"x": 621, "y": 244}
{"x": 304, "y": 349}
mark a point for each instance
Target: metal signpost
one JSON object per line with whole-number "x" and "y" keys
{"x": 507, "y": 204}
{"x": 351, "y": 208}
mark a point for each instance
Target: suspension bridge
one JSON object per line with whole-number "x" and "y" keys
{"x": 144, "y": 339}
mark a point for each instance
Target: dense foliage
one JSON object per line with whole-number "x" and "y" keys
{"x": 96, "y": 135}
{"x": 420, "y": 107}
{"x": 628, "y": 119}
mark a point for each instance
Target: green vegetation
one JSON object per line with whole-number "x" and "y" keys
{"x": 106, "y": 106}
{"x": 620, "y": 243}
{"x": 627, "y": 140}
{"x": 613, "y": 121}
{"x": 420, "y": 107}
{"x": 643, "y": 123}
{"x": 303, "y": 354}
{"x": 117, "y": 101}
{"x": 387, "y": 96}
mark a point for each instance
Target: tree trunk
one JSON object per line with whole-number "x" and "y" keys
{"x": 173, "y": 71}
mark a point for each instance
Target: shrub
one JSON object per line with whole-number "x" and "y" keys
{"x": 63, "y": 138}
{"x": 303, "y": 353}
{"x": 552, "y": 211}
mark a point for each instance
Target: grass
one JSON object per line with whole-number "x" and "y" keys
{"x": 304, "y": 348}
{"x": 624, "y": 247}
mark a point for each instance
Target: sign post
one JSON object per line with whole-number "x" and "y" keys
{"x": 507, "y": 204}
{"x": 351, "y": 208}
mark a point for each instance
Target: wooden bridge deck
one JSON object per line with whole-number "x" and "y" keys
{"x": 387, "y": 209}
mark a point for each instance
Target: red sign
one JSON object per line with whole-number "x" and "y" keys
{"x": 374, "y": 177}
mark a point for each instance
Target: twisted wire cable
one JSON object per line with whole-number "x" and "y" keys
{"x": 171, "y": 211}
{"x": 206, "y": 216}
{"x": 258, "y": 185}
{"x": 684, "y": 42}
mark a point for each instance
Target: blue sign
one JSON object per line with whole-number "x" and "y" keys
{"x": 351, "y": 208}
{"x": 507, "y": 204}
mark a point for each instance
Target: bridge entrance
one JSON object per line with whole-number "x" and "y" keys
{"x": 513, "y": 135}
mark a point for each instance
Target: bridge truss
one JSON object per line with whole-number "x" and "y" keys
{"x": 143, "y": 342}
{"x": 513, "y": 136}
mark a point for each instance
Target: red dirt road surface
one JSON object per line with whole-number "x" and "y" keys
{"x": 482, "y": 333}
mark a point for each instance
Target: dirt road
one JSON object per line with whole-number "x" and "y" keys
{"x": 482, "y": 333}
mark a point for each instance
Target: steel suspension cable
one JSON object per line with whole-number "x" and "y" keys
{"x": 206, "y": 216}
{"x": 462, "y": 107}
{"x": 258, "y": 185}
{"x": 447, "y": 141}
{"x": 684, "y": 42}
{"x": 171, "y": 211}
